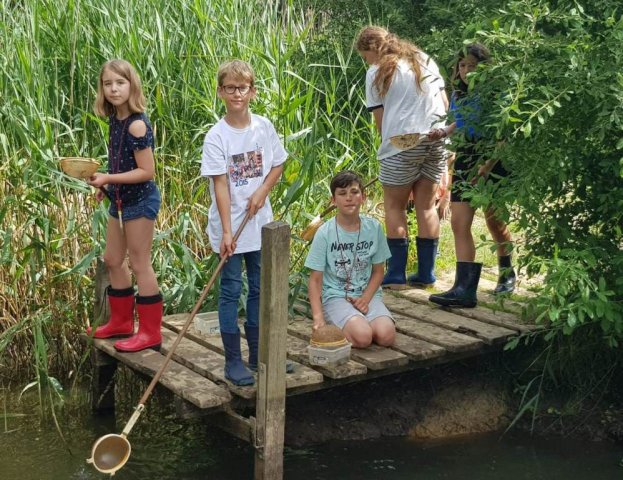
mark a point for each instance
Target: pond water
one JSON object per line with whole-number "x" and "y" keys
{"x": 166, "y": 448}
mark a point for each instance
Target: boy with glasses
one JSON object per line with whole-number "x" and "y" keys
{"x": 243, "y": 158}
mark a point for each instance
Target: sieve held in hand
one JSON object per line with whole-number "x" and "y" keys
{"x": 81, "y": 167}
{"x": 407, "y": 141}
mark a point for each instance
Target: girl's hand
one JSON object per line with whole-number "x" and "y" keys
{"x": 99, "y": 195}
{"x": 436, "y": 134}
{"x": 98, "y": 180}
{"x": 482, "y": 172}
{"x": 228, "y": 246}
{"x": 360, "y": 303}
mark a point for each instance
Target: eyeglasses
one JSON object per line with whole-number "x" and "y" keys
{"x": 231, "y": 89}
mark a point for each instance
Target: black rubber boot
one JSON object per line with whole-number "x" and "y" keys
{"x": 506, "y": 276}
{"x": 463, "y": 292}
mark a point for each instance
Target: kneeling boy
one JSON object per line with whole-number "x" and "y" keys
{"x": 347, "y": 259}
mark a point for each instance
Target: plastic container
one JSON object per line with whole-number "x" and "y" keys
{"x": 207, "y": 323}
{"x": 328, "y": 356}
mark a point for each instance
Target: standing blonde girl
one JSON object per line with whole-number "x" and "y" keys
{"x": 405, "y": 93}
{"x": 135, "y": 202}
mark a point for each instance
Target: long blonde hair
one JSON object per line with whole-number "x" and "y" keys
{"x": 136, "y": 102}
{"x": 390, "y": 49}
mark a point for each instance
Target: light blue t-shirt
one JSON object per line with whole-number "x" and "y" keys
{"x": 347, "y": 264}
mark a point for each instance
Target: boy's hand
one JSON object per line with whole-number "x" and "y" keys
{"x": 360, "y": 303}
{"x": 257, "y": 200}
{"x": 319, "y": 322}
{"x": 227, "y": 245}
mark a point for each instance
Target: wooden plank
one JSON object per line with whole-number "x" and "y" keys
{"x": 205, "y": 362}
{"x": 235, "y": 424}
{"x": 483, "y": 314}
{"x": 451, "y": 341}
{"x": 302, "y": 376}
{"x": 490, "y": 334}
{"x": 180, "y": 380}
{"x": 416, "y": 349}
{"x": 373, "y": 357}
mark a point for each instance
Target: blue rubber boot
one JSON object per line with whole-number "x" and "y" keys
{"x": 426, "y": 255}
{"x": 253, "y": 340}
{"x": 395, "y": 276}
{"x": 235, "y": 371}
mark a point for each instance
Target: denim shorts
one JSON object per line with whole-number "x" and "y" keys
{"x": 338, "y": 311}
{"x": 148, "y": 207}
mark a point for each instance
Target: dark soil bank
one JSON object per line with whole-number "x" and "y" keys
{"x": 469, "y": 397}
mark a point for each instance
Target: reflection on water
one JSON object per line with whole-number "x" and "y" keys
{"x": 517, "y": 457}
{"x": 164, "y": 448}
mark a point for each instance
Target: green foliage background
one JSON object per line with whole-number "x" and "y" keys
{"x": 555, "y": 95}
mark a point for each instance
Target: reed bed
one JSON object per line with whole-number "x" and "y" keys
{"x": 51, "y": 228}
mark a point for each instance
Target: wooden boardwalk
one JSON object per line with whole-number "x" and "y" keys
{"x": 426, "y": 335}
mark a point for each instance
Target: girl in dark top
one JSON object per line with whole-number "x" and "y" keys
{"x": 465, "y": 108}
{"x": 135, "y": 202}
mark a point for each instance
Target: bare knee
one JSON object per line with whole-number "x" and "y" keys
{"x": 384, "y": 331}
{"x": 358, "y": 332}
{"x": 141, "y": 267}
{"x": 459, "y": 226}
{"x": 113, "y": 261}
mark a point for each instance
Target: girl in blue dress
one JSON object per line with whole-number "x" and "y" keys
{"x": 465, "y": 108}
{"x": 134, "y": 205}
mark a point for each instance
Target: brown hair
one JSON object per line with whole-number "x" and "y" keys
{"x": 390, "y": 49}
{"x": 237, "y": 69}
{"x": 345, "y": 179}
{"x": 136, "y": 102}
{"x": 476, "y": 50}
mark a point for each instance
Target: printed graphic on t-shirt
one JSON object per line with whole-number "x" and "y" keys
{"x": 243, "y": 166}
{"x": 351, "y": 264}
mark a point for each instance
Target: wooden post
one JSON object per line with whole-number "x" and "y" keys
{"x": 104, "y": 366}
{"x": 101, "y": 309}
{"x": 271, "y": 389}
{"x": 102, "y": 381}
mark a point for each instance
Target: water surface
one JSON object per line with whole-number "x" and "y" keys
{"x": 165, "y": 448}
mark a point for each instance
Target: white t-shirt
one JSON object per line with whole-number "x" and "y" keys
{"x": 407, "y": 108}
{"x": 246, "y": 155}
